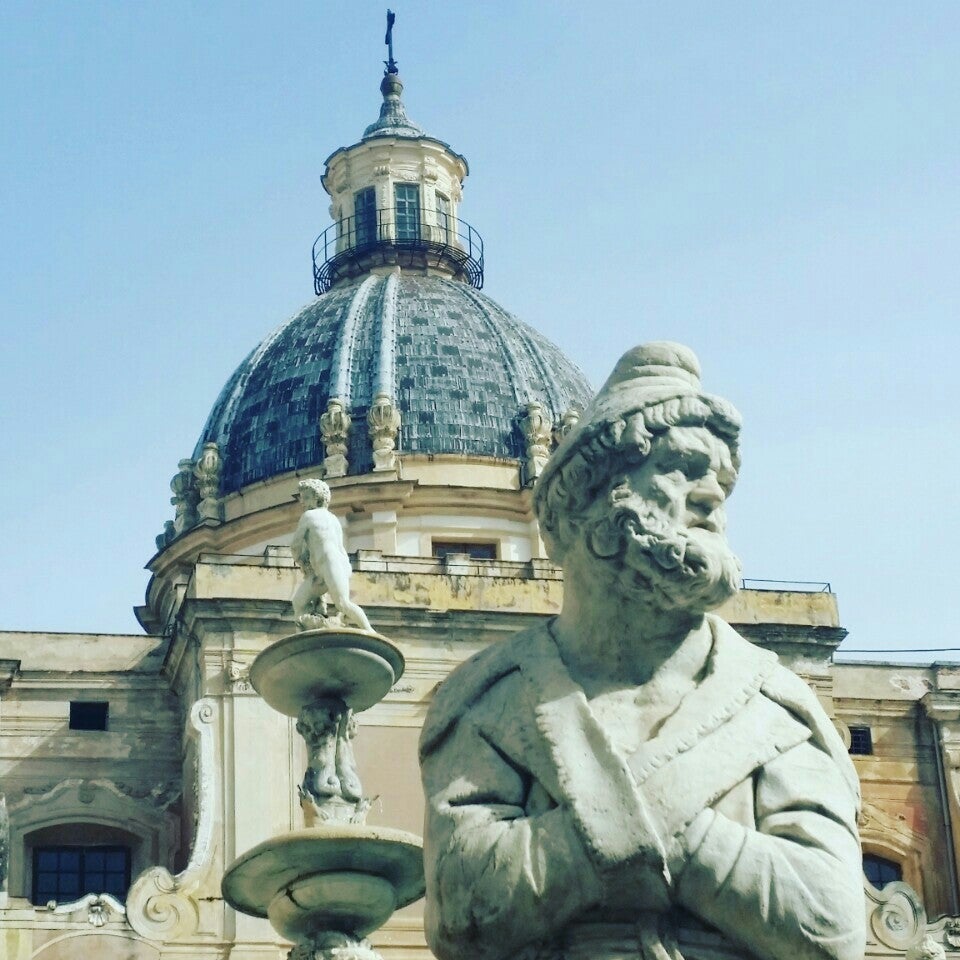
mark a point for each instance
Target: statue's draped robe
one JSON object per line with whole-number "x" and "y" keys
{"x": 730, "y": 834}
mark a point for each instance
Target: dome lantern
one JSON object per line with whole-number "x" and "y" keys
{"x": 395, "y": 198}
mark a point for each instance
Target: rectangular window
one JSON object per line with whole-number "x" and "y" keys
{"x": 473, "y": 549}
{"x": 407, "y": 197}
{"x": 443, "y": 217}
{"x": 65, "y": 874}
{"x": 365, "y": 216}
{"x": 88, "y": 714}
{"x": 861, "y": 741}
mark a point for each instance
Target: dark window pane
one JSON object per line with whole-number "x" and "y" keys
{"x": 47, "y": 884}
{"x": 861, "y": 741}
{"x": 880, "y": 871}
{"x": 88, "y": 715}
{"x": 407, "y": 197}
{"x": 475, "y": 551}
{"x": 365, "y": 216}
{"x": 116, "y": 885}
{"x": 76, "y": 871}
{"x": 69, "y": 884}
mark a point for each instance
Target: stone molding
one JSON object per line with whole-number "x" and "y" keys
{"x": 9, "y": 671}
{"x": 162, "y": 906}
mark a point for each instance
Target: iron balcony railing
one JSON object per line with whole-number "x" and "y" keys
{"x": 395, "y": 235}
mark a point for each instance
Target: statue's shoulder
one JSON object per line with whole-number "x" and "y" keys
{"x": 472, "y": 680}
{"x": 792, "y": 693}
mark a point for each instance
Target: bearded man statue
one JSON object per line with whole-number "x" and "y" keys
{"x": 633, "y": 779}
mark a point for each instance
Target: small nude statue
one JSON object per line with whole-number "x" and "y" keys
{"x": 632, "y": 779}
{"x": 319, "y": 551}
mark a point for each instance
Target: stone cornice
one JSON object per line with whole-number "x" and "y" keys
{"x": 9, "y": 671}
{"x": 942, "y": 706}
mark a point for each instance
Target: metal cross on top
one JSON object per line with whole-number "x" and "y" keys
{"x": 388, "y": 40}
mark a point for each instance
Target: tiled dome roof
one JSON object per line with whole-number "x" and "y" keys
{"x": 458, "y": 366}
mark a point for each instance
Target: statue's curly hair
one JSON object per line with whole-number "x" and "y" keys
{"x": 319, "y": 487}
{"x": 563, "y": 499}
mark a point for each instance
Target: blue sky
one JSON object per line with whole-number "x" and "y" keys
{"x": 776, "y": 185}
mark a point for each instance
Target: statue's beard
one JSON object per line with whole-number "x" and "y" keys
{"x": 654, "y": 559}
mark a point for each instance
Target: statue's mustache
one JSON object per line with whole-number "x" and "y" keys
{"x": 657, "y": 556}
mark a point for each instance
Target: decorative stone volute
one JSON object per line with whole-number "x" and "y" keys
{"x": 206, "y": 472}
{"x": 185, "y": 497}
{"x": 383, "y": 421}
{"x": 334, "y": 429}
{"x": 536, "y": 429}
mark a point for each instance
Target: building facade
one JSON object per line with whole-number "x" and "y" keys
{"x": 135, "y": 769}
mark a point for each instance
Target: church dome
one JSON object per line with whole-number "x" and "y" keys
{"x": 460, "y": 368}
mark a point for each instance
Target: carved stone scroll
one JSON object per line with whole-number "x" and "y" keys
{"x": 896, "y": 915}
{"x": 162, "y": 906}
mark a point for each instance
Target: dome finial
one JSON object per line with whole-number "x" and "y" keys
{"x": 391, "y": 64}
{"x": 393, "y": 121}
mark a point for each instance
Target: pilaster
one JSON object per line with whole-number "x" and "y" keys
{"x": 942, "y": 706}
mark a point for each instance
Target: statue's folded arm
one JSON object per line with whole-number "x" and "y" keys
{"x": 497, "y": 880}
{"x": 789, "y": 889}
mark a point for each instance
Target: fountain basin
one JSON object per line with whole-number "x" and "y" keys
{"x": 354, "y": 666}
{"x": 344, "y": 877}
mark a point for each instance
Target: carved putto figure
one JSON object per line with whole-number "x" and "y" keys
{"x": 633, "y": 779}
{"x": 318, "y": 549}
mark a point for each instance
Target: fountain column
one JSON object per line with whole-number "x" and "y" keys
{"x": 329, "y": 885}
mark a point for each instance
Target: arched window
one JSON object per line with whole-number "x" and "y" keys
{"x": 880, "y": 871}
{"x": 67, "y": 861}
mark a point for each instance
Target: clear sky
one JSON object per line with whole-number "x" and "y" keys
{"x": 776, "y": 185}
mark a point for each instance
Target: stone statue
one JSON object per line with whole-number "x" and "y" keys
{"x": 318, "y": 549}
{"x": 633, "y": 779}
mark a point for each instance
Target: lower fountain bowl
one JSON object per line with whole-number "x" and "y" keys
{"x": 347, "y": 878}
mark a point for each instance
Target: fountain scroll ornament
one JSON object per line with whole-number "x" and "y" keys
{"x": 329, "y": 885}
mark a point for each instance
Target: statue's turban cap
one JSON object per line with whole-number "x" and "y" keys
{"x": 646, "y": 376}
